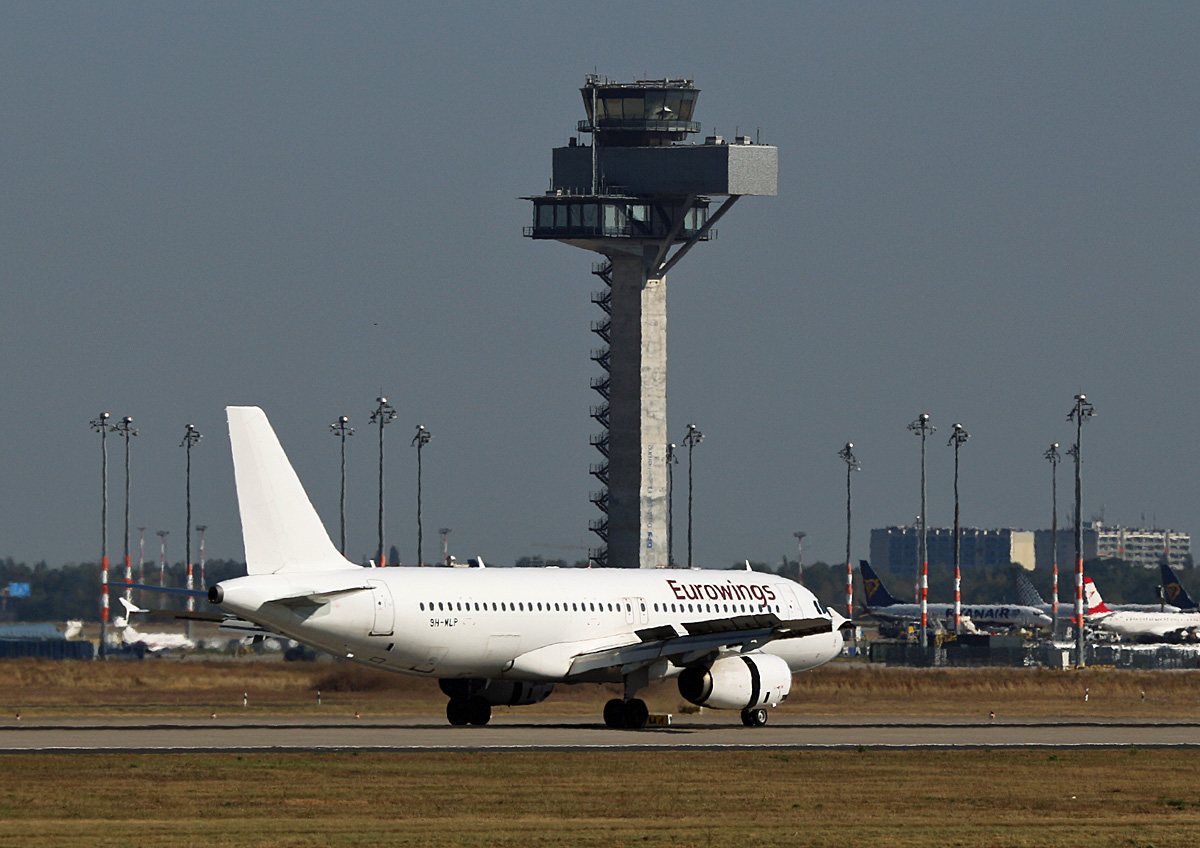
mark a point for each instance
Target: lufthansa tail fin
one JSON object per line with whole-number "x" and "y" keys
{"x": 280, "y": 528}
{"x": 877, "y": 594}
{"x": 1173, "y": 591}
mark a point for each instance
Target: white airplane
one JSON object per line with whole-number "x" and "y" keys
{"x": 154, "y": 642}
{"x": 507, "y": 636}
{"x": 881, "y": 605}
{"x": 1149, "y": 626}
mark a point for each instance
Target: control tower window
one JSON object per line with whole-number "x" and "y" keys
{"x": 545, "y": 216}
{"x": 633, "y": 108}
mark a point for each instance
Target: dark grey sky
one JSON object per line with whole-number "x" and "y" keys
{"x": 983, "y": 209}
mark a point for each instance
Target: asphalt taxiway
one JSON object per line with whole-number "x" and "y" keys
{"x": 235, "y": 733}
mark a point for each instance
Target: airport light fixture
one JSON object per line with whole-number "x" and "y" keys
{"x": 693, "y": 438}
{"x": 672, "y": 461}
{"x": 958, "y": 438}
{"x": 419, "y": 441}
{"x": 341, "y": 428}
{"x": 445, "y": 531}
{"x": 125, "y": 429}
{"x": 190, "y": 437}
{"x": 1081, "y": 411}
{"x": 383, "y": 414}
{"x": 852, "y": 465}
{"x": 1054, "y": 458}
{"x": 924, "y": 429}
{"x": 100, "y": 425}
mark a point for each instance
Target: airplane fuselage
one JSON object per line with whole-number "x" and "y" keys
{"x": 519, "y": 624}
{"x": 989, "y": 615}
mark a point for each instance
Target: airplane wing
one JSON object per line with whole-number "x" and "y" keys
{"x": 699, "y": 638}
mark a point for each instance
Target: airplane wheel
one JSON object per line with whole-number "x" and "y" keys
{"x": 458, "y": 711}
{"x": 479, "y": 710}
{"x": 754, "y": 718}
{"x": 636, "y": 714}
{"x": 614, "y": 713}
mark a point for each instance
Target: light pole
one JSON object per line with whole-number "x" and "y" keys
{"x": 672, "y": 461}
{"x": 125, "y": 429}
{"x": 847, "y": 455}
{"x": 420, "y": 440}
{"x": 800, "y": 534}
{"x": 201, "y": 528}
{"x": 141, "y": 558}
{"x": 341, "y": 428}
{"x": 693, "y": 438}
{"x": 1080, "y": 412}
{"x": 923, "y": 428}
{"x": 190, "y": 437}
{"x": 162, "y": 557}
{"x": 1054, "y": 458}
{"x": 383, "y": 414}
{"x": 100, "y": 425}
{"x": 445, "y": 531}
{"x": 957, "y": 439}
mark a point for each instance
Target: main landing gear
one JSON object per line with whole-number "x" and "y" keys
{"x": 473, "y": 710}
{"x": 630, "y": 715}
{"x": 754, "y": 718}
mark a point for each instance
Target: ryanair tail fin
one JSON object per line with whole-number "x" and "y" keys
{"x": 1173, "y": 591}
{"x": 877, "y": 594}
{"x": 280, "y": 528}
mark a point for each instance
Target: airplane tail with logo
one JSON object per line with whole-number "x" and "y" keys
{"x": 1093, "y": 604}
{"x": 280, "y": 528}
{"x": 877, "y": 594}
{"x": 1027, "y": 593}
{"x": 1173, "y": 591}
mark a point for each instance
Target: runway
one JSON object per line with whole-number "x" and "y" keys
{"x": 265, "y": 733}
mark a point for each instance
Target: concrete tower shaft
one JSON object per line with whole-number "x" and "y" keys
{"x": 638, "y": 191}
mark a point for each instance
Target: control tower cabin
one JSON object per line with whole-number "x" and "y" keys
{"x": 638, "y": 191}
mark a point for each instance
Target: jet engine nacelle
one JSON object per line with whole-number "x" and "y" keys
{"x": 508, "y": 693}
{"x": 738, "y": 682}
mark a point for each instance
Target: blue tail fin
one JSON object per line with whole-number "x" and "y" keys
{"x": 877, "y": 594}
{"x": 1173, "y": 591}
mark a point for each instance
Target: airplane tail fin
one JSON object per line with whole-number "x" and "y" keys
{"x": 1173, "y": 591}
{"x": 877, "y": 593}
{"x": 1092, "y": 601}
{"x": 280, "y": 528}
{"x": 1027, "y": 593}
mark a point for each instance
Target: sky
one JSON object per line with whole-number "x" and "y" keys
{"x": 983, "y": 210}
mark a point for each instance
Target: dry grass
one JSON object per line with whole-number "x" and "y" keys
{"x": 174, "y": 687}
{"x": 875, "y": 798}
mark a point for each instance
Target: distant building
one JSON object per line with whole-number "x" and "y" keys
{"x": 895, "y": 548}
{"x": 1135, "y": 545}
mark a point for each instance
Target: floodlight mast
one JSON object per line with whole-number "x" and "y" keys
{"x": 125, "y": 429}
{"x": 693, "y": 438}
{"x": 1080, "y": 412}
{"x": 100, "y": 425}
{"x": 202, "y": 529}
{"x": 162, "y": 557}
{"x": 957, "y": 439}
{"x": 419, "y": 441}
{"x": 1054, "y": 458}
{"x": 341, "y": 428}
{"x": 799, "y": 535}
{"x": 383, "y": 414}
{"x": 923, "y": 428}
{"x": 634, "y": 195}
{"x": 190, "y": 437}
{"x": 852, "y": 465}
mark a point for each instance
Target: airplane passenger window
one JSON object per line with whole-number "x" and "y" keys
{"x": 655, "y": 607}
{"x": 503, "y": 607}
{"x": 689, "y": 607}
{"x": 493, "y": 606}
{"x": 422, "y": 606}
{"x": 521, "y": 607}
{"x": 460, "y": 606}
{"x": 439, "y": 605}
{"x": 574, "y": 607}
{"x": 644, "y": 606}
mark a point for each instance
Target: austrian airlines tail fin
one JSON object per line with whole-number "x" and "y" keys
{"x": 1092, "y": 602}
{"x": 1173, "y": 591}
{"x": 877, "y": 594}
{"x": 280, "y": 528}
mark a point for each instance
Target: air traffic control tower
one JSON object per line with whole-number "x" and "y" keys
{"x": 638, "y": 191}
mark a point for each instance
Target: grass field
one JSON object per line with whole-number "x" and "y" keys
{"x": 187, "y": 688}
{"x": 865, "y": 799}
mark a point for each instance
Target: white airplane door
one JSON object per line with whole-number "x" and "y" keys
{"x": 385, "y": 609}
